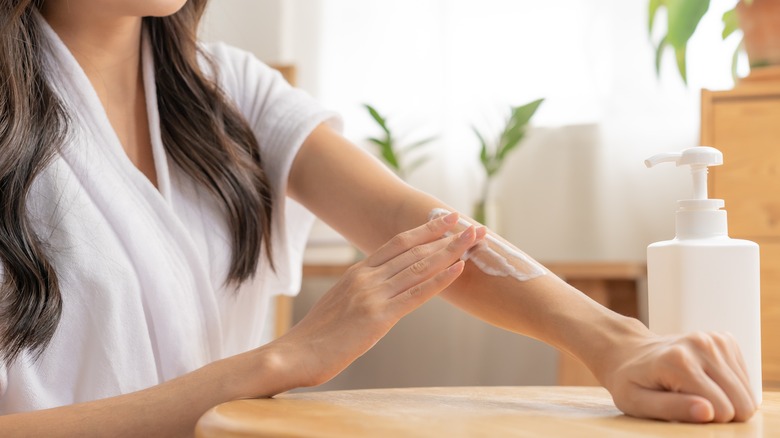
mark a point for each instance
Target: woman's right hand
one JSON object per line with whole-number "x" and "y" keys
{"x": 371, "y": 297}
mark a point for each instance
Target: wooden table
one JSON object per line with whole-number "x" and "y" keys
{"x": 553, "y": 411}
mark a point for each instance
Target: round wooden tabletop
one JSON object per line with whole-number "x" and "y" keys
{"x": 453, "y": 412}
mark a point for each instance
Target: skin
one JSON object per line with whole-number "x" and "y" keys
{"x": 694, "y": 378}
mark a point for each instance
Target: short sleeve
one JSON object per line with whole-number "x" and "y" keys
{"x": 281, "y": 117}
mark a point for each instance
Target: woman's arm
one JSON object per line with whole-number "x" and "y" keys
{"x": 167, "y": 410}
{"x": 698, "y": 377}
{"x": 350, "y": 318}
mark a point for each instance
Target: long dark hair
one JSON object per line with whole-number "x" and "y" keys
{"x": 202, "y": 132}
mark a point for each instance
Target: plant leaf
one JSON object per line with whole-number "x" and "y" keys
{"x": 512, "y": 142}
{"x": 516, "y": 127}
{"x": 510, "y": 138}
{"x": 735, "y": 61}
{"x": 378, "y": 142}
{"x": 483, "y": 150}
{"x": 730, "y": 22}
{"x": 418, "y": 143}
{"x": 389, "y": 156}
{"x": 522, "y": 114}
{"x": 684, "y": 17}
{"x": 381, "y": 121}
{"x": 492, "y": 168}
{"x": 653, "y": 10}
{"x": 659, "y": 53}
{"x": 679, "y": 54}
{"x": 386, "y": 146}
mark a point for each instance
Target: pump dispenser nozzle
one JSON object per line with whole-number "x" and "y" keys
{"x": 699, "y": 158}
{"x": 698, "y": 216}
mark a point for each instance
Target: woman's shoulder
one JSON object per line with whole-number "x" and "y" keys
{"x": 244, "y": 78}
{"x": 230, "y": 63}
{"x": 229, "y": 56}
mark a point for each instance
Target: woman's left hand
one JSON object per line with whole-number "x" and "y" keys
{"x": 697, "y": 378}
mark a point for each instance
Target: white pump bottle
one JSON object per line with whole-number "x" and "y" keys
{"x": 702, "y": 280}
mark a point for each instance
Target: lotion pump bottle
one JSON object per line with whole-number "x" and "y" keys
{"x": 702, "y": 280}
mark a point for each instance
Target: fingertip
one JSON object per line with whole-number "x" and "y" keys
{"x": 701, "y": 411}
{"x": 667, "y": 406}
{"x": 456, "y": 267}
{"x": 481, "y": 232}
{"x": 468, "y": 234}
{"x": 450, "y": 218}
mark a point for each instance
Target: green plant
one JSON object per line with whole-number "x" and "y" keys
{"x": 394, "y": 155}
{"x": 682, "y": 18}
{"x": 492, "y": 155}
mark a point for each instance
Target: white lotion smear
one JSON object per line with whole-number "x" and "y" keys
{"x": 493, "y": 256}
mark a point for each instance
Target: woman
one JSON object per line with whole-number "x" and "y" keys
{"x": 145, "y": 226}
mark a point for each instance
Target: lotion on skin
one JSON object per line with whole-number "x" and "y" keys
{"x": 494, "y": 256}
{"x": 702, "y": 280}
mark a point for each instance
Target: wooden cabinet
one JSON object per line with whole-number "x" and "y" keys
{"x": 744, "y": 123}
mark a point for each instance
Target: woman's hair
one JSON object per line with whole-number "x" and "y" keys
{"x": 202, "y": 132}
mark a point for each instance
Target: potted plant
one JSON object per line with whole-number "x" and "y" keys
{"x": 396, "y": 156}
{"x": 759, "y": 21}
{"x": 492, "y": 154}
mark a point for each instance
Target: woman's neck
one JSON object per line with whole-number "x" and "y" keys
{"x": 108, "y": 48}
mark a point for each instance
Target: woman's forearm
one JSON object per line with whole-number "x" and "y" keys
{"x": 545, "y": 308}
{"x": 167, "y": 410}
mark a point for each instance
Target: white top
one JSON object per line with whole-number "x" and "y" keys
{"x": 142, "y": 270}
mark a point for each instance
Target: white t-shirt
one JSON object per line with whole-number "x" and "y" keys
{"x": 142, "y": 271}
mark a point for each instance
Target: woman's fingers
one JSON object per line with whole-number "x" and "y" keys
{"x": 738, "y": 403}
{"x": 697, "y": 382}
{"x": 420, "y": 270}
{"x": 418, "y": 256}
{"x": 428, "y": 232}
{"x": 670, "y": 406}
{"x": 709, "y": 373}
{"x": 735, "y": 360}
{"x": 417, "y": 295}
{"x": 698, "y": 377}
{"x": 729, "y": 376}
